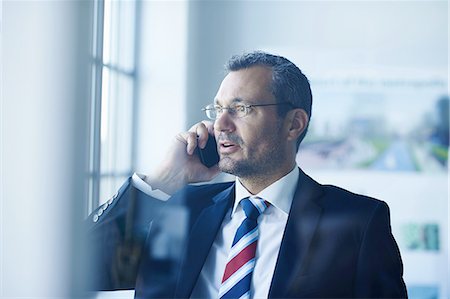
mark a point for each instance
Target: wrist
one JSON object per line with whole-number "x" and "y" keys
{"x": 165, "y": 181}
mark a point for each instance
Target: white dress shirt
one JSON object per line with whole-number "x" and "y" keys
{"x": 271, "y": 225}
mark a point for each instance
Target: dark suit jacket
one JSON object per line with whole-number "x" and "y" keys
{"x": 336, "y": 244}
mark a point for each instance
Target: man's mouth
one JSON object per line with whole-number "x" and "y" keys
{"x": 227, "y": 144}
{"x": 227, "y": 147}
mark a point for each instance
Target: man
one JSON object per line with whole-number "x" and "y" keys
{"x": 274, "y": 232}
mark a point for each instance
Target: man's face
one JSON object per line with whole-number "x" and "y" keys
{"x": 254, "y": 145}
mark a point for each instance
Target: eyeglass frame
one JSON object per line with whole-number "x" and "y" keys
{"x": 246, "y": 106}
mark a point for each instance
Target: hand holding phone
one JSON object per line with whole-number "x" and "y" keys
{"x": 179, "y": 168}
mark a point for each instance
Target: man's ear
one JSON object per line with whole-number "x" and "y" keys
{"x": 297, "y": 123}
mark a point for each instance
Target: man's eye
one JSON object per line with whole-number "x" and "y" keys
{"x": 239, "y": 108}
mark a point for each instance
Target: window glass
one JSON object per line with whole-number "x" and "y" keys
{"x": 119, "y": 37}
{"x": 117, "y": 109}
{"x": 113, "y": 99}
{"x": 123, "y": 125}
{"x": 125, "y": 57}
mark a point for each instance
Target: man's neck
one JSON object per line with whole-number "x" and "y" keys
{"x": 255, "y": 184}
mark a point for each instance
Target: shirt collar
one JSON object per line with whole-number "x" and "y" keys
{"x": 279, "y": 194}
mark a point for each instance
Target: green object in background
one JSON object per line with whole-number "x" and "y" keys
{"x": 417, "y": 236}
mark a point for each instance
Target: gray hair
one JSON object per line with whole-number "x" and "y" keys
{"x": 289, "y": 84}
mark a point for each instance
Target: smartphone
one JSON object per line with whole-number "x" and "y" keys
{"x": 209, "y": 155}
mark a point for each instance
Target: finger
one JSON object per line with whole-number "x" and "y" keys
{"x": 190, "y": 139}
{"x": 194, "y": 127}
{"x": 209, "y": 125}
{"x": 202, "y": 133}
{"x": 192, "y": 143}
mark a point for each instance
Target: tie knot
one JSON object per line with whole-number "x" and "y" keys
{"x": 253, "y": 207}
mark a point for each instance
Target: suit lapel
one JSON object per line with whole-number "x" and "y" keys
{"x": 301, "y": 225}
{"x": 202, "y": 236}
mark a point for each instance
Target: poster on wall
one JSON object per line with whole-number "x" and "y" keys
{"x": 385, "y": 133}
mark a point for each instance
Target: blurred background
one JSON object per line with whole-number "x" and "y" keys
{"x": 93, "y": 91}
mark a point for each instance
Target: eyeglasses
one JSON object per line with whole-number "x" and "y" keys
{"x": 236, "y": 110}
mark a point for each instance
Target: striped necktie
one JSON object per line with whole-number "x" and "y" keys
{"x": 241, "y": 260}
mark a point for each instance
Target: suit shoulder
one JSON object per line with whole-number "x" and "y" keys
{"x": 355, "y": 212}
{"x": 339, "y": 198}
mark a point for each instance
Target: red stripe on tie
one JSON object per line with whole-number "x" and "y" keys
{"x": 239, "y": 260}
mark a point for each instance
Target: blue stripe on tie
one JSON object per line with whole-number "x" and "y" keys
{"x": 258, "y": 203}
{"x": 240, "y": 288}
{"x": 246, "y": 226}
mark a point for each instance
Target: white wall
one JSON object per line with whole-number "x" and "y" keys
{"x": 161, "y": 90}
{"x": 43, "y": 144}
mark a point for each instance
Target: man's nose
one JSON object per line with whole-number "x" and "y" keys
{"x": 224, "y": 122}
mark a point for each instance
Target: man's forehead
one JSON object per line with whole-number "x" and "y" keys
{"x": 246, "y": 85}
